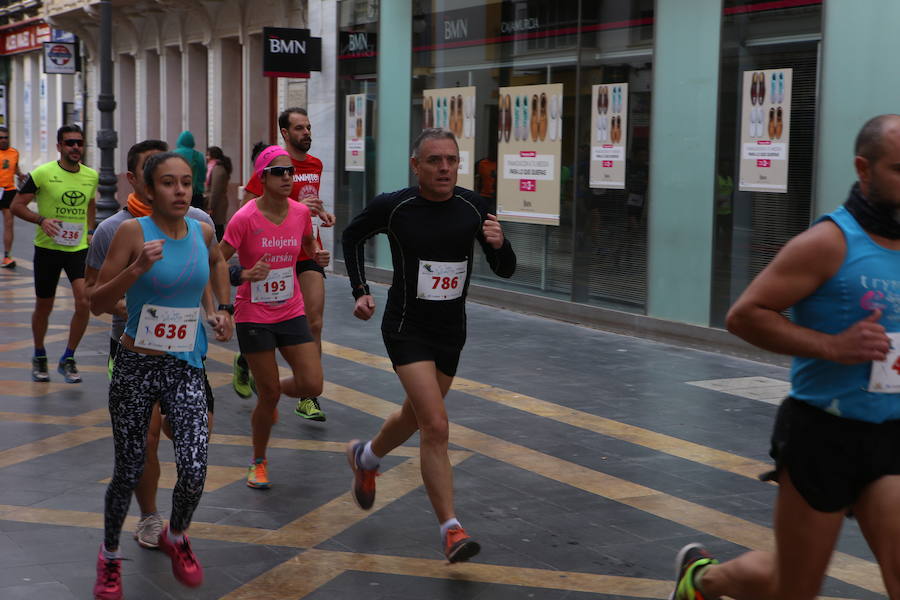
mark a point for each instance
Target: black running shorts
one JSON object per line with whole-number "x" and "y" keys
{"x": 7, "y": 198}
{"x": 831, "y": 459}
{"x": 309, "y": 265}
{"x": 48, "y": 264}
{"x": 261, "y": 337}
{"x": 404, "y": 349}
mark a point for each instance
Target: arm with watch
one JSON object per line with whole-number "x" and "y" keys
{"x": 371, "y": 221}
{"x": 20, "y": 209}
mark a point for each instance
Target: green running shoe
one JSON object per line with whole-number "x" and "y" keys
{"x": 690, "y": 559}
{"x": 241, "y": 380}
{"x": 308, "y": 408}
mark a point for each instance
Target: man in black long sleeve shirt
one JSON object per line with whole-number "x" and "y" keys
{"x": 432, "y": 230}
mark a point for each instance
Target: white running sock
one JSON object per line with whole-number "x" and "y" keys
{"x": 107, "y": 555}
{"x": 175, "y": 539}
{"x": 367, "y": 459}
{"x": 451, "y": 522}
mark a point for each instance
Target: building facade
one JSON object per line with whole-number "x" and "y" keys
{"x": 178, "y": 65}
{"x": 647, "y": 157}
{"x": 730, "y": 130}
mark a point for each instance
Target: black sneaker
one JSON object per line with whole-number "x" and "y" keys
{"x": 69, "y": 370}
{"x": 39, "y": 369}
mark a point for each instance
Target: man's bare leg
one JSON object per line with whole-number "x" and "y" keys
{"x": 804, "y": 539}
{"x": 876, "y": 512}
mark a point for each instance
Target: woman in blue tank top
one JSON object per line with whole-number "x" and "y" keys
{"x": 161, "y": 264}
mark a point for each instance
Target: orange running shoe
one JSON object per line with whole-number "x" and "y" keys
{"x": 257, "y": 477}
{"x": 8, "y": 263}
{"x": 363, "y": 488}
{"x": 458, "y": 546}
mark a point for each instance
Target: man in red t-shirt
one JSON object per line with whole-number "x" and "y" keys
{"x": 297, "y": 134}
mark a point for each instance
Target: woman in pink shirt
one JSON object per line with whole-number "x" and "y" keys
{"x": 268, "y": 234}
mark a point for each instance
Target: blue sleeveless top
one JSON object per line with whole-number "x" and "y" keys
{"x": 868, "y": 279}
{"x": 177, "y": 280}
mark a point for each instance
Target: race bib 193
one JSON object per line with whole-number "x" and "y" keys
{"x": 277, "y": 287}
{"x": 69, "y": 233}
{"x": 885, "y": 375}
{"x": 441, "y": 280}
{"x": 167, "y": 329}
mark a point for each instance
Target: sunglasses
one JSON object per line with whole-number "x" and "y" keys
{"x": 279, "y": 171}
{"x": 71, "y": 143}
{"x": 4, "y": 137}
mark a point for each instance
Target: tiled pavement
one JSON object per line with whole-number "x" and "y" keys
{"x": 583, "y": 461}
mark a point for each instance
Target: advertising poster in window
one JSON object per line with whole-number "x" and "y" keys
{"x": 355, "y": 144}
{"x": 3, "y": 106}
{"x": 42, "y": 113}
{"x": 26, "y": 125}
{"x": 453, "y": 109}
{"x": 609, "y": 135}
{"x": 529, "y": 150}
{"x": 765, "y": 130}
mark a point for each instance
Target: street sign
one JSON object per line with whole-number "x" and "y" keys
{"x": 290, "y": 52}
{"x": 61, "y": 58}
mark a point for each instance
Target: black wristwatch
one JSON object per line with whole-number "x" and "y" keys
{"x": 229, "y": 308}
{"x": 359, "y": 292}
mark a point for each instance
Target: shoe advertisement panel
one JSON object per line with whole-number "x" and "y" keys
{"x": 765, "y": 130}
{"x": 529, "y": 148}
{"x": 355, "y": 136}
{"x": 609, "y": 139}
{"x": 453, "y": 109}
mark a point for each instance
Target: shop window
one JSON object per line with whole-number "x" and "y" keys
{"x": 761, "y": 43}
{"x": 592, "y": 247}
{"x": 357, "y": 67}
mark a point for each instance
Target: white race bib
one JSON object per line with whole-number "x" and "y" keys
{"x": 167, "y": 329}
{"x": 441, "y": 280}
{"x": 885, "y": 375}
{"x": 277, "y": 287}
{"x": 69, "y": 233}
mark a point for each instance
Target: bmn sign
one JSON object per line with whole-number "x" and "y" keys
{"x": 290, "y": 52}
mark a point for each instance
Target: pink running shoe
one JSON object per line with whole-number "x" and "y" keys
{"x": 109, "y": 579}
{"x": 185, "y": 567}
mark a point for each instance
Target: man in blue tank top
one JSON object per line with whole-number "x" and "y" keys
{"x": 836, "y": 441}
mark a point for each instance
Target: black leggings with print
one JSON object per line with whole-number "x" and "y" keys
{"x": 138, "y": 381}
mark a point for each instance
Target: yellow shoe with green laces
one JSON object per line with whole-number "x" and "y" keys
{"x": 308, "y": 408}
{"x": 692, "y": 560}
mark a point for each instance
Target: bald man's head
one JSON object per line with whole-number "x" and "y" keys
{"x": 877, "y": 161}
{"x": 870, "y": 139}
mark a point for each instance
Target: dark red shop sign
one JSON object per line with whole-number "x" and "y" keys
{"x": 25, "y": 39}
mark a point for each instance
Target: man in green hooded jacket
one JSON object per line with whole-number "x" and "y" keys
{"x": 197, "y": 161}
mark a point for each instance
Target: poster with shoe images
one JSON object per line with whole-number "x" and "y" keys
{"x": 355, "y": 137}
{"x": 454, "y": 109}
{"x": 765, "y": 130}
{"x": 609, "y": 135}
{"x": 529, "y": 149}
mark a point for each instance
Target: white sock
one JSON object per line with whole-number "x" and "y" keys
{"x": 367, "y": 459}
{"x": 176, "y": 538}
{"x": 107, "y": 555}
{"x": 451, "y": 522}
